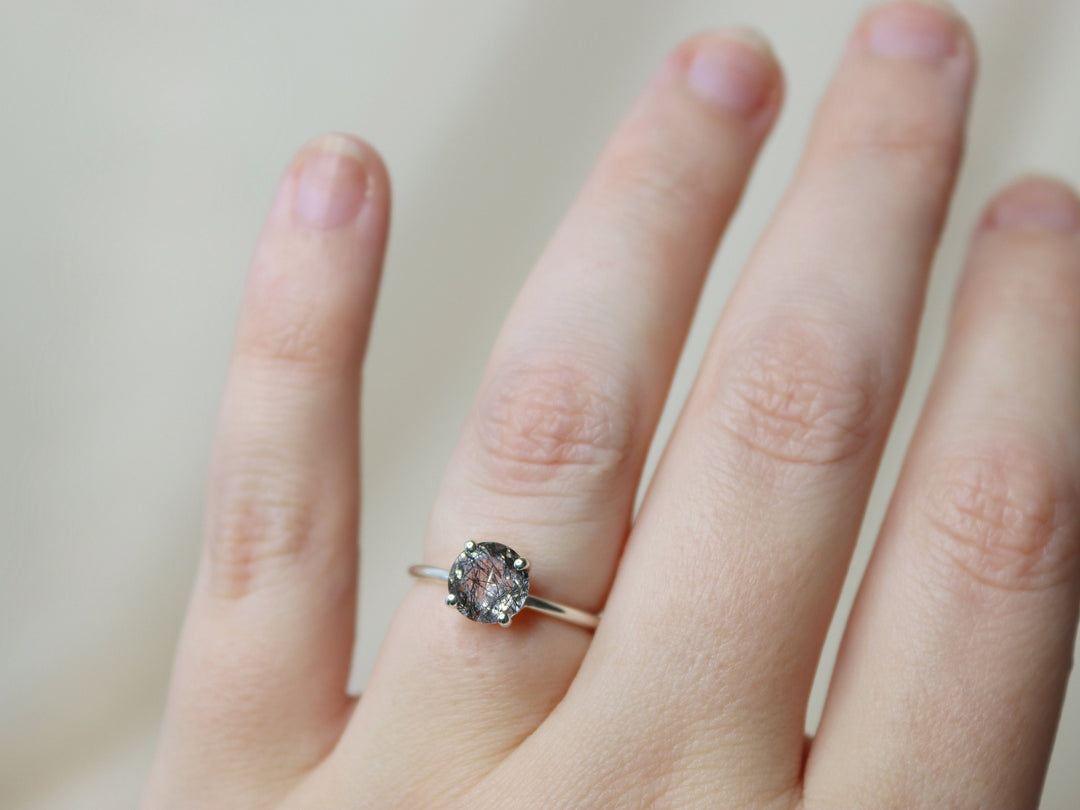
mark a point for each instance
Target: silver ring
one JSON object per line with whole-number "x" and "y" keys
{"x": 489, "y": 583}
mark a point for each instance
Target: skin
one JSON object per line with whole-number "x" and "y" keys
{"x": 953, "y": 668}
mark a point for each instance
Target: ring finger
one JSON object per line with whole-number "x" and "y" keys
{"x": 550, "y": 457}
{"x": 724, "y": 593}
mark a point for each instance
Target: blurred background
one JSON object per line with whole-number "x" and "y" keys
{"x": 141, "y": 144}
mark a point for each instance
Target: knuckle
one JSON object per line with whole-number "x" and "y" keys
{"x": 661, "y": 176}
{"x": 804, "y": 394}
{"x": 256, "y": 529}
{"x": 1051, "y": 292}
{"x": 551, "y": 418}
{"x": 915, "y": 140}
{"x": 1004, "y": 518}
{"x": 285, "y": 324}
{"x": 916, "y": 145}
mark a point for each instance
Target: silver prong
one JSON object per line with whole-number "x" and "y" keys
{"x": 521, "y": 564}
{"x": 451, "y": 599}
{"x": 470, "y": 545}
{"x": 504, "y": 620}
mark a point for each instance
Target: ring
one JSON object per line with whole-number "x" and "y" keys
{"x": 489, "y": 584}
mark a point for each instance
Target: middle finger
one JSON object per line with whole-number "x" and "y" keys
{"x": 716, "y": 618}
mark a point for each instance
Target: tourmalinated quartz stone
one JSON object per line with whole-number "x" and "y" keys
{"x": 484, "y": 584}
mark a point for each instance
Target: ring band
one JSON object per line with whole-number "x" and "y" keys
{"x": 489, "y": 583}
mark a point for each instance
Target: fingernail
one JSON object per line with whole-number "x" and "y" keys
{"x": 332, "y": 183}
{"x": 922, "y": 30}
{"x": 733, "y": 70}
{"x": 1037, "y": 204}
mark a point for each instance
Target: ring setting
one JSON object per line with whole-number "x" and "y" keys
{"x": 488, "y": 583}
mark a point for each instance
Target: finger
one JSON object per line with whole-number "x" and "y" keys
{"x": 954, "y": 667}
{"x": 551, "y": 455}
{"x": 264, "y": 657}
{"x": 741, "y": 545}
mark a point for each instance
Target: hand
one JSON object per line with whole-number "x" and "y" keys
{"x": 716, "y": 598}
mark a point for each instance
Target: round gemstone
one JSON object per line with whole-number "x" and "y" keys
{"x": 485, "y": 583}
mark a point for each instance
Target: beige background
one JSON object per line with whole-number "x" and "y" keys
{"x": 141, "y": 144}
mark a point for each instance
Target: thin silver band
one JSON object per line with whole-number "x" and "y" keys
{"x": 554, "y": 609}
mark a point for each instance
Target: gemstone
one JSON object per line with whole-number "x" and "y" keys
{"x": 484, "y": 582}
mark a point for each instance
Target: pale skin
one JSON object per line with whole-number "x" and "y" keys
{"x": 693, "y": 690}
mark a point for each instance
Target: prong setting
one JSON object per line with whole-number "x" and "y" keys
{"x": 488, "y": 582}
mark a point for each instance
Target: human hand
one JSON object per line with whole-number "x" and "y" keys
{"x": 692, "y": 692}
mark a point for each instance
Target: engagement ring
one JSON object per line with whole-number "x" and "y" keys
{"x": 489, "y": 583}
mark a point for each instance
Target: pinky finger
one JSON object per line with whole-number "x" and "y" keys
{"x": 953, "y": 670}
